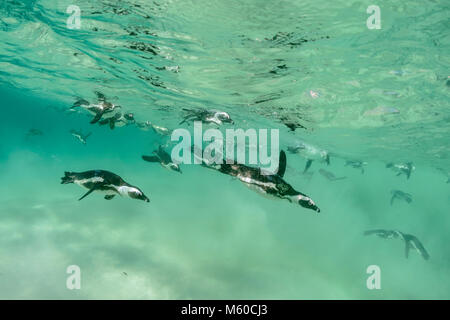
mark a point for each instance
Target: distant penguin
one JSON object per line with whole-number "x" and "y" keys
{"x": 34, "y": 133}
{"x": 291, "y": 124}
{"x": 398, "y": 194}
{"x": 356, "y": 164}
{"x": 80, "y": 136}
{"x": 163, "y": 158}
{"x": 119, "y": 120}
{"x": 310, "y": 153}
{"x": 207, "y": 116}
{"x": 105, "y": 182}
{"x": 411, "y": 242}
{"x": 329, "y": 175}
{"x": 402, "y": 168}
{"x": 146, "y": 125}
{"x": 265, "y": 183}
{"x": 101, "y": 109}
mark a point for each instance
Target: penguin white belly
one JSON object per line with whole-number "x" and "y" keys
{"x": 93, "y": 108}
{"x": 126, "y": 190}
{"x": 258, "y": 186}
{"x": 312, "y": 153}
{"x": 82, "y": 183}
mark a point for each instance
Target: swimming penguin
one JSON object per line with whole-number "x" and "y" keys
{"x": 33, "y": 133}
{"x": 397, "y": 194}
{"x": 207, "y": 116}
{"x": 330, "y": 176}
{"x": 103, "y": 181}
{"x": 119, "y": 120}
{"x": 401, "y": 168}
{"x": 145, "y": 125}
{"x": 80, "y": 136}
{"x": 356, "y": 164}
{"x": 411, "y": 242}
{"x": 164, "y": 159}
{"x": 101, "y": 109}
{"x": 310, "y": 153}
{"x": 291, "y": 124}
{"x": 264, "y": 182}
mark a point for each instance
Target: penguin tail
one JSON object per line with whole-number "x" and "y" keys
{"x": 68, "y": 178}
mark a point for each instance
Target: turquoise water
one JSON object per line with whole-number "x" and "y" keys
{"x": 377, "y": 96}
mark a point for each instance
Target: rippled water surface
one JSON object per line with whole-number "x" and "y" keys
{"x": 376, "y": 96}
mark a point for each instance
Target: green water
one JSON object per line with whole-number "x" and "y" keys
{"x": 205, "y": 235}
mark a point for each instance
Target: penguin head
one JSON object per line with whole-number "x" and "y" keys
{"x": 129, "y": 116}
{"x": 135, "y": 193}
{"x": 223, "y": 117}
{"x": 306, "y": 202}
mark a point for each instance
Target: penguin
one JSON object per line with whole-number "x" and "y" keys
{"x": 163, "y": 131}
{"x": 411, "y": 242}
{"x": 80, "y": 136}
{"x": 119, "y": 120}
{"x": 163, "y": 158}
{"x": 34, "y": 133}
{"x": 207, "y": 116}
{"x": 145, "y": 125}
{"x": 310, "y": 153}
{"x": 291, "y": 124}
{"x": 356, "y": 164}
{"x": 330, "y": 176}
{"x": 101, "y": 109}
{"x": 103, "y": 181}
{"x": 272, "y": 185}
{"x": 385, "y": 234}
{"x": 397, "y": 194}
{"x": 402, "y": 168}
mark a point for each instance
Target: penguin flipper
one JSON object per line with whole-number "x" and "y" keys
{"x": 282, "y": 164}
{"x": 150, "y": 158}
{"x": 109, "y": 196}
{"x": 112, "y": 124}
{"x": 392, "y": 199}
{"x": 97, "y": 117}
{"x": 407, "y": 247}
{"x": 308, "y": 164}
{"x": 100, "y": 96}
{"x": 88, "y": 193}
